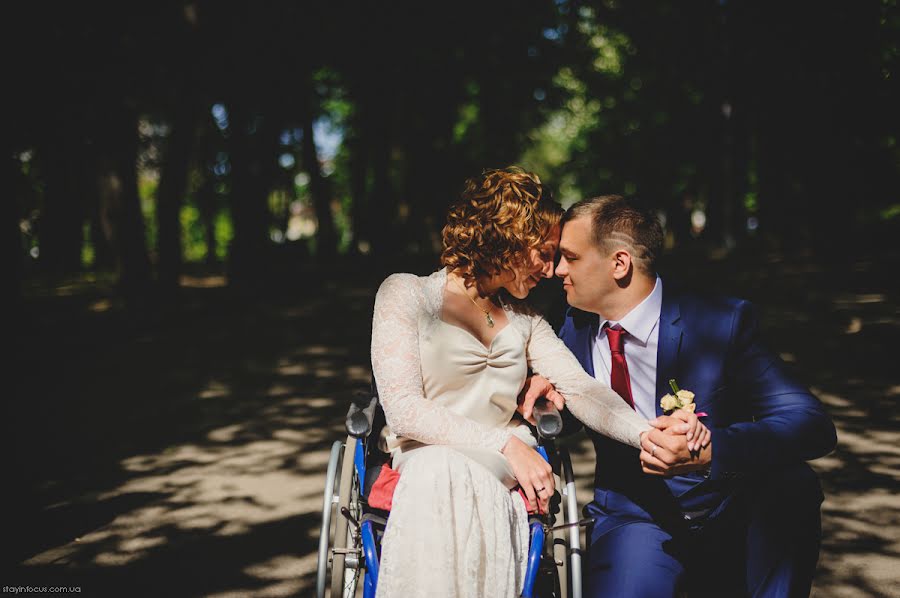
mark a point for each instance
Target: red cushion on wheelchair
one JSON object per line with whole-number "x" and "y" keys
{"x": 531, "y": 509}
{"x": 382, "y": 492}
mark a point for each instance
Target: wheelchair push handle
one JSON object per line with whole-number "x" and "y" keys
{"x": 549, "y": 421}
{"x": 360, "y": 419}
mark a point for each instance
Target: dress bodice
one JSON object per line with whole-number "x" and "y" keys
{"x": 461, "y": 374}
{"x": 439, "y": 384}
{"x": 479, "y": 382}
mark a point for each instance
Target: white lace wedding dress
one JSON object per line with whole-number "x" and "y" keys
{"x": 456, "y": 529}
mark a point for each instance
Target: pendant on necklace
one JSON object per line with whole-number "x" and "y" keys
{"x": 490, "y": 320}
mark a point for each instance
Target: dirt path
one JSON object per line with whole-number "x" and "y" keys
{"x": 188, "y": 459}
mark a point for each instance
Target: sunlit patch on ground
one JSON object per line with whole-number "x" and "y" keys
{"x": 200, "y": 449}
{"x": 224, "y": 487}
{"x": 202, "y": 282}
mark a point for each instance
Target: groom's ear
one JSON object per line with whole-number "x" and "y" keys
{"x": 622, "y": 264}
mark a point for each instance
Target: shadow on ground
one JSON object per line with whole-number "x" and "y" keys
{"x": 185, "y": 456}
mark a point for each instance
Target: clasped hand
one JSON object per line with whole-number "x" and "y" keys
{"x": 677, "y": 444}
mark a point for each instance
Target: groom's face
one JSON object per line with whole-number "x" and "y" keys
{"x": 586, "y": 273}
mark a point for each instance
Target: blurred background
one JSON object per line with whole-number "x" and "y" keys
{"x": 200, "y": 199}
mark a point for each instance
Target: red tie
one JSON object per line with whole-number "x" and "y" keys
{"x": 618, "y": 376}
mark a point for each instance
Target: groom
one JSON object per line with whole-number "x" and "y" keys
{"x": 739, "y": 517}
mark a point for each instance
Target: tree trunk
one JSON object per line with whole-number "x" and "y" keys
{"x": 60, "y": 229}
{"x": 99, "y": 214}
{"x": 773, "y": 190}
{"x": 326, "y": 239}
{"x": 419, "y": 188}
{"x": 131, "y": 245}
{"x": 250, "y": 152}
{"x": 722, "y": 205}
{"x": 358, "y": 168}
{"x": 172, "y": 187}
{"x": 12, "y": 242}
{"x": 206, "y": 201}
{"x": 381, "y": 206}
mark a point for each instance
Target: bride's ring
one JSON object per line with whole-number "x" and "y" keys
{"x": 653, "y": 450}
{"x": 539, "y": 490}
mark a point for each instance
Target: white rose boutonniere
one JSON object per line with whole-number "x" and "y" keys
{"x": 679, "y": 399}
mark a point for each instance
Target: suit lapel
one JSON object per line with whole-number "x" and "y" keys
{"x": 585, "y": 329}
{"x": 670, "y": 336}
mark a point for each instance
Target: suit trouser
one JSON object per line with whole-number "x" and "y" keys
{"x": 756, "y": 547}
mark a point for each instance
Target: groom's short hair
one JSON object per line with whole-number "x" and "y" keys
{"x": 618, "y": 222}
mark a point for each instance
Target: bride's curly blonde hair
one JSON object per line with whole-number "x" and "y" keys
{"x": 499, "y": 216}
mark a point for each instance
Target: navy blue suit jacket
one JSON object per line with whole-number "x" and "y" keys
{"x": 763, "y": 422}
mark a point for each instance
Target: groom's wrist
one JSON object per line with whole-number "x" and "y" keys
{"x": 722, "y": 462}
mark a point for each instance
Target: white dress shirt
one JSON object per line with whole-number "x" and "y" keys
{"x": 641, "y": 341}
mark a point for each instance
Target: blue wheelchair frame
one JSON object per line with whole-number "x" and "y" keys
{"x": 360, "y": 424}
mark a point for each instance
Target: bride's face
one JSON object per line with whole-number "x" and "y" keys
{"x": 532, "y": 267}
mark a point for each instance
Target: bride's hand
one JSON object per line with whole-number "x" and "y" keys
{"x": 536, "y": 386}
{"x": 687, "y": 423}
{"x": 532, "y": 471}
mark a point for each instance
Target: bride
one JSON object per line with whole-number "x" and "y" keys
{"x": 450, "y": 354}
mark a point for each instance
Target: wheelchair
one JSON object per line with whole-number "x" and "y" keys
{"x": 349, "y": 541}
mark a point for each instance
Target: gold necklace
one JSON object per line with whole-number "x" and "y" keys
{"x": 487, "y": 312}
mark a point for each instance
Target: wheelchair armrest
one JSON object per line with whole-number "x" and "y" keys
{"x": 549, "y": 421}
{"x": 360, "y": 420}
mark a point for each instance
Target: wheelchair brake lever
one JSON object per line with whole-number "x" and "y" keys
{"x": 578, "y": 523}
{"x": 346, "y": 513}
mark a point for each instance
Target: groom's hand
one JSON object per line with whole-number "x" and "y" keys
{"x": 665, "y": 452}
{"x": 537, "y": 386}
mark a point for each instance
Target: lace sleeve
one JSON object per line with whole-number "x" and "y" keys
{"x": 597, "y": 406}
{"x": 398, "y": 373}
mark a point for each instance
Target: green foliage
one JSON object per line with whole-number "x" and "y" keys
{"x": 224, "y": 233}
{"x": 890, "y": 212}
{"x": 342, "y": 224}
{"x": 147, "y": 188}
{"x": 87, "y": 248}
{"x": 610, "y": 46}
{"x": 683, "y": 103}
{"x": 193, "y": 234}
{"x": 468, "y": 116}
{"x": 561, "y": 135}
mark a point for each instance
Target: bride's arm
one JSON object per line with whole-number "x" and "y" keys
{"x": 398, "y": 374}
{"x": 597, "y": 406}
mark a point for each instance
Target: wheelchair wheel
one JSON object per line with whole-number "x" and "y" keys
{"x": 344, "y": 578}
{"x": 560, "y": 555}
{"x": 552, "y": 579}
{"x": 555, "y": 565}
{"x": 339, "y": 542}
{"x": 561, "y": 562}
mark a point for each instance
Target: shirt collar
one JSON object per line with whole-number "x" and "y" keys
{"x": 641, "y": 320}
